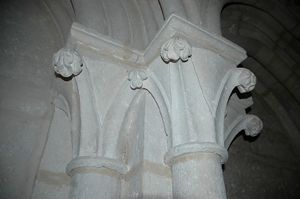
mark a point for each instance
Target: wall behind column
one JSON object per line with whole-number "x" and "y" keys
{"x": 268, "y": 166}
{"x": 29, "y": 36}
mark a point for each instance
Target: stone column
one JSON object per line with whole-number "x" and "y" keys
{"x": 198, "y": 175}
{"x": 194, "y": 157}
{"x": 202, "y": 76}
{"x": 92, "y": 178}
{"x": 190, "y": 73}
{"x": 203, "y": 13}
{"x": 94, "y": 183}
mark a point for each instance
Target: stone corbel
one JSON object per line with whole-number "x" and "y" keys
{"x": 67, "y": 62}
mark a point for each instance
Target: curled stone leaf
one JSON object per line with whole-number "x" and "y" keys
{"x": 253, "y": 126}
{"x": 67, "y": 62}
{"x": 176, "y": 48}
{"x": 247, "y": 81}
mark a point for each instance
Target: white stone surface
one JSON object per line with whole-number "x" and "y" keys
{"x": 111, "y": 92}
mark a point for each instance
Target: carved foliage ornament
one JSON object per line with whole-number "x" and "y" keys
{"x": 136, "y": 78}
{"x": 247, "y": 81}
{"x": 174, "y": 49}
{"x": 251, "y": 124}
{"x": 254, "y": 126}
{"x": 67, "y": 62}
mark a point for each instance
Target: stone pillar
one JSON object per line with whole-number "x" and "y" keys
{"x": 201, "y": 80}
{"x": 196, "y": 166}
{"x": 191, "y": 75}
{"x": 203, "y": 13}
{"x": 172, "y": 7}
{"x": 95, "y": 183}
{"x": 198, "y": 175}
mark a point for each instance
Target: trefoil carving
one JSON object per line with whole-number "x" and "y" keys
{"x": 136, "y": 78}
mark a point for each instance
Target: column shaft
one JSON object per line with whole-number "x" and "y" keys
{"x": 198, "y": 175}
{"x": 95, "y": 183}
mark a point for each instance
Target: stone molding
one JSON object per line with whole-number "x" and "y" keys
{"x": 96, "y": 162}
{"x": 195, "y": 147}
{"x": 97, "y": 44}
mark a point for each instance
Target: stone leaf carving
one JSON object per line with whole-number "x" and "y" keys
{"x": 136, "y": 78}
{"x": 174, "y": 49}
{"x": 247, "y": 81}
{"x": 241, "y": 78}
{"x": 253, "y": 126}
{"x": 67, "y": 62}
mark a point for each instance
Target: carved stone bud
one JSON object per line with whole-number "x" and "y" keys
{"x": 174, "y": 49}
{"x": 136, "y": 78}
{"x": 247, "y": 81}
{"x": 254, "y": 126}
{"x": 67, "y": 62}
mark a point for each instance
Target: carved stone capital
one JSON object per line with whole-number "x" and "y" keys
{"x": 253, "y": 126}
{"x": 136, "y": 78}
{"x": 247, "y": 81}
{"x": 174, "y": 49}
{"x": 67, "y": 62}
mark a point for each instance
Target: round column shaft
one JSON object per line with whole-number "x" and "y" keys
{"x": 95, "y": 183}
{"x": 198, "y": 175}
